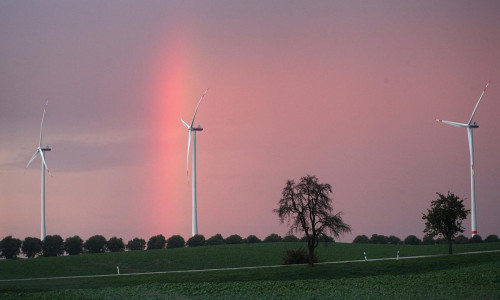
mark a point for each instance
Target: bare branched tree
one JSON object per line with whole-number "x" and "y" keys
{"x": 307, "y": 207}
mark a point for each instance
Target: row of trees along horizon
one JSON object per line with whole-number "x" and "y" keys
{"x": 54, "y": 245}
{"x": 306, "y": 206}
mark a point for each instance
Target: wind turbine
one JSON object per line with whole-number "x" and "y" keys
{"x": 192, "y": 134}
{"x": 470, "y": 126}
{"x": 40, "y": 151}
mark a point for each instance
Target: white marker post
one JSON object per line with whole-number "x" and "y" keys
{"x": 118, "y": 269}
{"x": 365, "y": 256}
{"x": 397, "y": 256}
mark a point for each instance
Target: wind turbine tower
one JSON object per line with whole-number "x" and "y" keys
{"x": 192, "y": 134}
{"x": 41, "y": 151}
{"x": 470, "y": 126}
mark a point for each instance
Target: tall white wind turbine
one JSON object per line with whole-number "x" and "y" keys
{"x": 40, "y": 151}
{"x": 470, "y": 126}
{"x": 192, "y": 134}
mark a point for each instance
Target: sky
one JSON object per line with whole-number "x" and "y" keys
{"x": 347, "y": 91}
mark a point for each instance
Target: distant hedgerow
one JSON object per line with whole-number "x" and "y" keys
{"x": 175, "y": 241}
{"x": 234, "y": 239}
{"x": 273, "y": 238}
{"x": 196, "y": 241}
{"x": 252, "y": 239}
{"x": 215, "y": 240}
{"x": 136, "y": 244}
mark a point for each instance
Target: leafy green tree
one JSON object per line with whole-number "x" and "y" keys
{"x": 10, "y": 247}
{"x": 445, "y": 217}
{"x": 53, "y": 245}
{"x": 175, "y": 241}
{"x": 307, "y": 207}
{"x": 234, "y": 239}
{"x": 428, "y": 240}
{"x": 492, "y": 238}
{"x": 393, "y": 240}
{"x": 196, "y": 241}
{"x": 461, "y": 239}
{"x": 95, "y": 244}
{"x": 476, "y": 239}
{"x": 252, "y": 239}
{"x": 115, "y": 244}
{"x": 136, "y": 244}
{"x": 273, "y": 238}
{"x": 291, "y": 238}
{"x": 215, "y": 240}
{"x": 157, "y": 242}
{"x": 73, "y": 245}
{"x": 412, "y": 240}
{"x": 361, "y": 239}
{"x": 378, "y": 239}
{"x": 31, "y": 247}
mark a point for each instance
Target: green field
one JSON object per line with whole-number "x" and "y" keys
{"x": 471, "y": 276}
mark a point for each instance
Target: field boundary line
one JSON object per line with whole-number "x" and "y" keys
{"x": 243, "y": 268}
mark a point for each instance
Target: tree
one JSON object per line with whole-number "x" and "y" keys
{"x": 10, "y": 247}
{"x": 115, "y": 244}
{"x": 95, "y": 244}
{"x": 427, "y": 240}
{"x": 412, "y": 240}
{"x": 361, "y": 239}
{"x": 492, "y": 238}
{"x": 476, "y": 239}
{"x": 196, "y": 240}
{"x": 461, "y": 239}
{"x": 31, "y": 247}
{"x": 215, "y": 240}
{"x": 52, "y": 245}
{"x": 252, "y": 239}
{"x": 393, "y": 240}
{"x": 234, "y": 239}
{"x": 326, "y": 239}
{"x": 73, "y": 245}
{"x": 136, "y": 244}
{"x": 445, "y": 218}
{"x": 175, "y": 241}
{"x": 378, "y": 239}
{"x": 291, "y": 238}
{"x": 156, "y": 242}
{"x": 307, "y": 207}
{"x": 273, "y": 238}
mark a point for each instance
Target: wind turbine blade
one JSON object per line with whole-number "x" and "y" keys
{"x": 41, "y": 126}
{"x": 187, "y": 156}
{"x": 185, "y": 124}
{"x": 480, "y": 97}
{"x": 44, "y": 163}
{"x": 198, "y": 105}
{"x": 453, "y": 123}
{"x": 32, "y": 158}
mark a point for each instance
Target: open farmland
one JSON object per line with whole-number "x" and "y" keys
{"x": 458, "y": 276}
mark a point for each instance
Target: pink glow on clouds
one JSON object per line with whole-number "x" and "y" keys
{"x": 347, "y": 91}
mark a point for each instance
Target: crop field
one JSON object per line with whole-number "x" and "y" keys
{"x": 468, "y": 276}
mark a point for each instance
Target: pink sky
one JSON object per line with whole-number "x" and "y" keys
{"x": 344, "y": 90}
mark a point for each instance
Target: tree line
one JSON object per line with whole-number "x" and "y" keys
{"x": 427, "y": 240}
{"x": 54, "y": 245}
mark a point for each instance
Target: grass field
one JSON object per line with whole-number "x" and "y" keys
{"x": 473, "y": 276}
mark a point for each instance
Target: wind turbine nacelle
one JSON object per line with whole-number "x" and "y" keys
{"x": 474, "y": 125}
{"x": 199, "y": 128}
{"x": 47, "y": 148}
